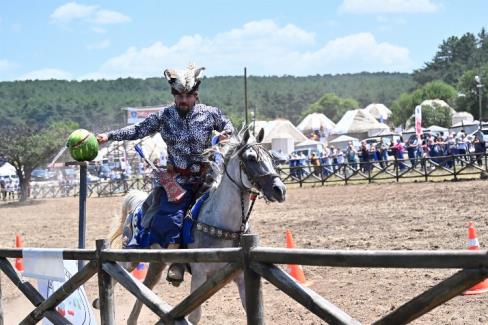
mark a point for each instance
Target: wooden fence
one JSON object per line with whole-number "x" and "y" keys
{"x": 452, "y": 167}
{"x": 256, "y": 263}
{"x": 393, "y": 170}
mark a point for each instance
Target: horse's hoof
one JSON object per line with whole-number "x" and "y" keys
{"x": 175, "y": 283}
{"x": 176, "y": 273}
{"x": 96, "y": 303}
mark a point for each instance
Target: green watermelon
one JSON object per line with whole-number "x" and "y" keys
{"x": 82, "y": 145}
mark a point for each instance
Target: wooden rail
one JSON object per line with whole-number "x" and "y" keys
{"x": 256, "y": 263}
{"x": 450, "y": 167}
{"x": 396, "y": 170}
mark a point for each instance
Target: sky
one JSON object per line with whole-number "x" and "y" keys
{"x": 77, "y": 40}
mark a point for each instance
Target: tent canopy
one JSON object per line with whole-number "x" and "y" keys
{"x": 315, "y": 122}
{"x": 358, "y": 121}
{"x": 279, "y": 129}
{"x": 436, "y": 128}
{"x": 462, "y": 117}
{"x": 378, "y": 111}
{"x": 343, "y": 138}
{"x": 7, "y": 169}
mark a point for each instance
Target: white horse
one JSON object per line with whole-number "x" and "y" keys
{"x": 247, "y": 166}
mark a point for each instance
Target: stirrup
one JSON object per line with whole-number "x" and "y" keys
{"x": 176, "y": 274}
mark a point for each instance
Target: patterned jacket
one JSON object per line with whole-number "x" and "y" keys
{"x": 186, "y": 136}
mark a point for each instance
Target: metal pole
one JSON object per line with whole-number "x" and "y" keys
{"x": 245, "y": 94}
{"x": 254, "y": 121}
{"x": 480, "y": 95}
{"x": 82, "y": 217}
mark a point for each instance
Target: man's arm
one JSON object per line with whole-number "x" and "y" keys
{"x": 150, "y": 125}
{"x": 222, "y": 124}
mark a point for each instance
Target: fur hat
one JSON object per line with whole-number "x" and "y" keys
{"x": 184, "y": 81}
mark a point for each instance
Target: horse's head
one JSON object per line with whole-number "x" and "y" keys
{"x": 253, "y": 168}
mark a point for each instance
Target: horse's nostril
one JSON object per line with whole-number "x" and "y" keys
{"x": 278, "y": 190}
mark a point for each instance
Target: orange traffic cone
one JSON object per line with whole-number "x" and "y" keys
{"x": 473, "y": 244}
{"x": 294, "y": 270}
{"x": 19, "y": 262}
{"x": 140, "y": 271}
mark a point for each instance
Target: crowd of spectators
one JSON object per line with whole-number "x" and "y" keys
{"x": 428, "y": 150}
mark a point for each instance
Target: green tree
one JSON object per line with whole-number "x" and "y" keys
{"x": 468, "y": 99}
{"x": 404, "y": 107}
{"x": 27, "y": 147}
{"x": 439, "y": 115}
{"x": 454, "y": 56}
{"x": 332, "y": 106}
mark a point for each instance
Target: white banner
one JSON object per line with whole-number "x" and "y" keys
{"x": 418, "y": 120}
{"x": 137, "y": 114}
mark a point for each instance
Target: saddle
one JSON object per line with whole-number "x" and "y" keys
{"x": 135, "y": 235}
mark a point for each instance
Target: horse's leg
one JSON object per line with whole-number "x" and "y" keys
{"x": 198, "y": 277}
{"x": 153, "y": 275}
{"x": 129, "y": 266}
{"x": 239, "y": 281}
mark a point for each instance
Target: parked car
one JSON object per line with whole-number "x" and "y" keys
{"x": 41, "y": 174}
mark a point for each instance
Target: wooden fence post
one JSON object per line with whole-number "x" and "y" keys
{"x": 254, "y": 296}
{"x": 105, "y": 288}
{"x": 424, "y": 160}
{"x": 454, "y": 167}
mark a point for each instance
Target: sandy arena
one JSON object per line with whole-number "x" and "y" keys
{"x": 378, "y": 216}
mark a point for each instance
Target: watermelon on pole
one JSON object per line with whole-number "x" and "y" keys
{"x": 82, "y": 145}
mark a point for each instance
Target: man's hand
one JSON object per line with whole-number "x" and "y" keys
{"x": 102, "y": 138}
{"x": 224, "y": 136}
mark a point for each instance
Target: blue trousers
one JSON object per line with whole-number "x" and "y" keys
{"x": 166, "y": 223}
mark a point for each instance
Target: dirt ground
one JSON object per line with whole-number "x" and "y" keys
{"x": 378, "y": 216}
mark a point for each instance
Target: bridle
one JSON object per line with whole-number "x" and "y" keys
{"x": 253, "y": 191}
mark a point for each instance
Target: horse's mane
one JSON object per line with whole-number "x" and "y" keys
{"x": 226, "y": 150}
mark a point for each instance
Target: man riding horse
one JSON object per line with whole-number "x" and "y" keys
{"x": 186, "y": 126}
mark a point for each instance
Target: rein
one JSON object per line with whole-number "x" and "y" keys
{"x": 225, "y": 234}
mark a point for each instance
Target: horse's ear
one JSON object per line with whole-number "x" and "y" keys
{"x": 245, "y": 138}
{"x": 260, "y": 136}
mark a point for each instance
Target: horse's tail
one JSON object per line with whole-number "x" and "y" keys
{"x": 131, "y": 201}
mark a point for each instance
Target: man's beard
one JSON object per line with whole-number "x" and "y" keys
{"x": 183, "y": 109}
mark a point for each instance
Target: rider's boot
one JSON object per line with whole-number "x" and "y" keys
{"x": 176, "y": 271}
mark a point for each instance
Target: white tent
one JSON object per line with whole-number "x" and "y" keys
{"x": 153, "y": 147}
{"x": 7, "y": 170}
{"x": 462, "y": 117}
{"x": 342, "y": 141}
{"x": 280, "y": 129}
{"x": 436, "y": 128}
{"x": 379, "y": 111}
{"x": 312, "y": 145}
{"x": 315, "y": 122}
{"x": 358, "y": 122}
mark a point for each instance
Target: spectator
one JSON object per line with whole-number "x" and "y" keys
{"x": 351, "y": 155}
{"x": 314, "y": 161}
{"x": 3, "y": 189}
{"x": 411, "y": 150}
{"x": 365, "y": 158}
{"x": 383, "y": 153}
{"x": 479, "y": 148}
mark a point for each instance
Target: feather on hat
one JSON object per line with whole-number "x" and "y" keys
{"x": 184, "y": 81}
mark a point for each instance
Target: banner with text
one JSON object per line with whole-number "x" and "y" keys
{"x": 137, "y": 114}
